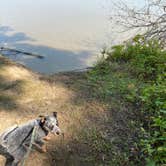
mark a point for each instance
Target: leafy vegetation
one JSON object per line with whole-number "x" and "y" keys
{"x": 134, "y": 73}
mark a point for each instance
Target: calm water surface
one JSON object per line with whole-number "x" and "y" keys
{"x": 68, "y": 33}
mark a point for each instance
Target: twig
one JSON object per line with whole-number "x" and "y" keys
{"x": 21, "y": 52}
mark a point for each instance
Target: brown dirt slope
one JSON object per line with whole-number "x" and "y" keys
{"x": 92, "y": 134}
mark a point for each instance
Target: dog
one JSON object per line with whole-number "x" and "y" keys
{"x": 15, "y": 141}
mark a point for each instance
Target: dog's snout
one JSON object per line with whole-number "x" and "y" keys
{"x": 58, "y": 132}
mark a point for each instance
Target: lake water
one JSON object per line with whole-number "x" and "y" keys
{"x": 68, "y": 33}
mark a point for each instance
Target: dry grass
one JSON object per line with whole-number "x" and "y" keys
{"x": 25, "y": 95}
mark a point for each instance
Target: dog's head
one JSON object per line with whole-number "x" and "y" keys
{"x": 50, "y": 123}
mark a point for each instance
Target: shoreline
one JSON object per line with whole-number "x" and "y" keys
{"x": 82, "y": 70}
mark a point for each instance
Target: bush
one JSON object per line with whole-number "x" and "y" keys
{"x": 154, "y": 108}
{"x": 147, "y": 59}
{"x": 144, "y": 84}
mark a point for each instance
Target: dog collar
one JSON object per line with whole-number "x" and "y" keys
{"x": 42, "y": 126}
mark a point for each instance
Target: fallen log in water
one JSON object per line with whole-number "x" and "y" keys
{"x": 21, "y": 52}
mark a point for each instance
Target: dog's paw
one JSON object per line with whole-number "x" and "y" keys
{"x": 47, "y": 138}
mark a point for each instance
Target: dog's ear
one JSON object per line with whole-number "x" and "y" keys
{"x": 55, "y": 114}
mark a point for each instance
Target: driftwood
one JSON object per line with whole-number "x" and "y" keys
{"x": 15, "y": 51}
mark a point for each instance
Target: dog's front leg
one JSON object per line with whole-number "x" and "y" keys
{"x": 15, "y": 163}
{"x": 11, "y": 162}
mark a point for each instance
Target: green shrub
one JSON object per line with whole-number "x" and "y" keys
{"x": 147, "y": 59}
{"x": 154, "y": 106}
{"x": 139, "y": 79}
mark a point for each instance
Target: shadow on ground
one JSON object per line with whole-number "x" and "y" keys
{"x": 80, "y": 120}
{"x": 95, "y": 133}
{"x": 7, "y": 88}
{"x": 85, "y": 124}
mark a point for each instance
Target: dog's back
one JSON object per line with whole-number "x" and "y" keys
{"x": 14, "y": 138}
{"x": 15, "y": 141}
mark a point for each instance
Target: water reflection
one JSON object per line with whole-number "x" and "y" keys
{"x": 55, "y": 60}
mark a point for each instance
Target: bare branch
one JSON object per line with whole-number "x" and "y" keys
{"x": 149, "y": 18}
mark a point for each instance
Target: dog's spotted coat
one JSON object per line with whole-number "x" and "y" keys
{"x": 15, "y": 141}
